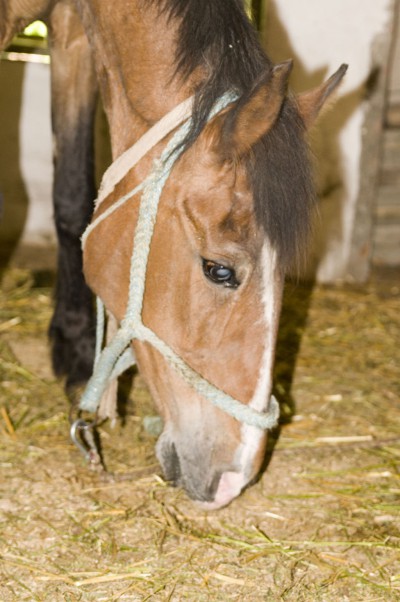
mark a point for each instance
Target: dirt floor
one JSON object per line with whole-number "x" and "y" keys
{"x": 322, "y": 523}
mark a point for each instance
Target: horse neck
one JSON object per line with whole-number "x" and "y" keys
{"x": 134, "y": 56}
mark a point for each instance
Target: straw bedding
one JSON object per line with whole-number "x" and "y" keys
{"x": 322, "y": 523}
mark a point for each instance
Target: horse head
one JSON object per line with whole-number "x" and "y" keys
{"x": 233, "y": 215}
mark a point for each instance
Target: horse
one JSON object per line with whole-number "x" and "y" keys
{"x": 233, "y": 217}
{"x": 73, "y": 98}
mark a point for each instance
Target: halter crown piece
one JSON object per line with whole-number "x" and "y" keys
{"x": 117, "y": 356}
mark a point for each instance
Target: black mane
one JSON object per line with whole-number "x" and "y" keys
{"x": 218, "y": 35}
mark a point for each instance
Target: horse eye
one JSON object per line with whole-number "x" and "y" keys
{"x": 220, "y": 274}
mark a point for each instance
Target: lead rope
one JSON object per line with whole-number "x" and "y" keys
{"x": 117, "y": 355}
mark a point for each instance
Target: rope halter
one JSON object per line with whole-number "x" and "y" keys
{"x": 117, "y": 356}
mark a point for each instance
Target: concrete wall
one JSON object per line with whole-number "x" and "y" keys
{"x": 320, "y": 35}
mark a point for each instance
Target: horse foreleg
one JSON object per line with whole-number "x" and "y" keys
{"x": 74, "y": 94}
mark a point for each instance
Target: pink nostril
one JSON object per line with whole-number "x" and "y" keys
{"x": 229, "y": 487}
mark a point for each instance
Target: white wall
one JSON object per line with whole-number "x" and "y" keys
{"x": 320, "y": 35}
{"x": 36, "y": 153}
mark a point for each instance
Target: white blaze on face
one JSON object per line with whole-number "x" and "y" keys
{"x": 232, "y": 483}
{"x": 272, "y": 292}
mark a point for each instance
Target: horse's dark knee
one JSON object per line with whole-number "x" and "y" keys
{"x": 72, "y": 336}
{"x": 72, "y": 356}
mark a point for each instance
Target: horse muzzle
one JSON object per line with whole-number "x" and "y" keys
{"x": 211, "y": 484}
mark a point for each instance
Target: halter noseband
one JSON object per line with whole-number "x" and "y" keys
{"x": 117, "y": 356}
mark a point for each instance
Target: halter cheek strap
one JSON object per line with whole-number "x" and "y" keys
{"x": 137, "y": 151}
{"x": 117, "y": 355}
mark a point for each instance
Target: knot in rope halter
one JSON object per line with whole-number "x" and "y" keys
{"x": 117, "y": 356}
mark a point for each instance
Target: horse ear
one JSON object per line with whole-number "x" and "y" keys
{"x": 256, "y": 112}
{"x": 310, "y": 103}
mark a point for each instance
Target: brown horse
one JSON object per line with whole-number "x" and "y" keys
{"x": 233, "y": 217}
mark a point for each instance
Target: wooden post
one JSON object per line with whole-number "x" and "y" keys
{"x": 361, "y": 250}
